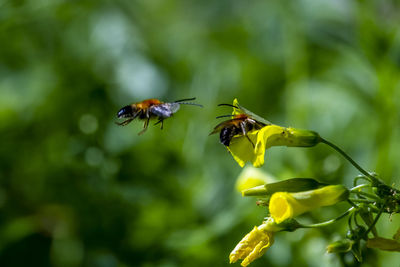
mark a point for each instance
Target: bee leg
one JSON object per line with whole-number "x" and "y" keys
{"x": 160, "y": 121}
{"x": 124, "y": 122}
{"x": 146, "y": 124}
{"x": 248, "y": 138}
{"x": 242, "y": 126}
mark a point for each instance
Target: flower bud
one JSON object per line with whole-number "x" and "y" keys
{"x": 302, "y": 138}
{"x": 289, "y": 185}
{"x": 340, "y": 246}
{"x": 251, "y": 177}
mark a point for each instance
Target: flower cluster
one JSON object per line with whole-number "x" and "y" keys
{"x": 285, "y": 200}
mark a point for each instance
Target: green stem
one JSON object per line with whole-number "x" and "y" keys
{"x": 356, "y": 220}
{"x": 352, "y": 203}
{"x": 362, "y": 200}
{"x": 366, "y": 194}
{"x": 358, "y": 167}
{"x": 317, "y": 225}
{"x": 358, "y": 178}
{"x": 376, "y": 219}
{"x": 349, "y": 221}
{"x": 359, "y": 187}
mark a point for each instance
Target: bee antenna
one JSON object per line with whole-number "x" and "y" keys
{"x": 182, "y": 101}
{"x": 224, "y": 116}
{"x": 185, "y": 99}
{"x": 189, "y": 103}
{"x": 229, "y": 105}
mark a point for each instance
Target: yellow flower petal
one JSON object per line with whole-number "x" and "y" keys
{"x": 236, "y": 111}
{"x": 241, "y": 148}
{"x": 243, "y": 151}
{"x": 258, "y": 250}
{"x": 266, "y": 137}
{"x": 252, "y": 246}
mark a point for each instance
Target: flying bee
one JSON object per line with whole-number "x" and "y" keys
{"x": 151, "y": 108}
{"x": 239, "y": 124}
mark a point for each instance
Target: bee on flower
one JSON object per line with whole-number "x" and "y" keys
{"x": 247, "y": 135}
{"x": 241, "y": 123}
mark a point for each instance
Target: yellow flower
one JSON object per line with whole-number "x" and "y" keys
{"x": 284, "y": 205}
{"x": 255, "y": 243}
{"x": 270, "y": 135}
{"x": 242, "y": 150}
{"x": 251, "y": 177}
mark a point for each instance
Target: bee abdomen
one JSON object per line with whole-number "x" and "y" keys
{"x": 124, "y": 112}
{"x": 226, "y": 135}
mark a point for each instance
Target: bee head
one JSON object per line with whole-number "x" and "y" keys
{"x": 127, "y": 111}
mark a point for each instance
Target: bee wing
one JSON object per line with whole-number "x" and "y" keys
{"x": 254, "y": 116}
{"x": 164, "y": 110}
{"x": 220, "y": 126}
{"x": 174, "y": 107}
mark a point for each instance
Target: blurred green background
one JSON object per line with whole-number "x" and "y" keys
{"x": 77, "y": 190}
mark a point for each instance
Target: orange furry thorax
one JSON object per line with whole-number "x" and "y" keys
{"x": 237, "y": 119}
{"x": 147, "y": 103}
{"x": 240, "y": 117}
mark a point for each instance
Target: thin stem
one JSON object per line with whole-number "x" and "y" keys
{"x": 362, "y": 200}
{"x": 376, "y": 219}
{"x": 349, "y": 221}
{"x": 358, "y": 178}
{"x": 356, "y": 206}
{"x": 359, "y": 187}
{"x": 352, "y": 203}
{"x": 358, "y": 167}
{"x": 374, "y": 209}
{"x": 366, "y": 194}
{"x": 317, "y": 225}
{"x": 355, "y": 220}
